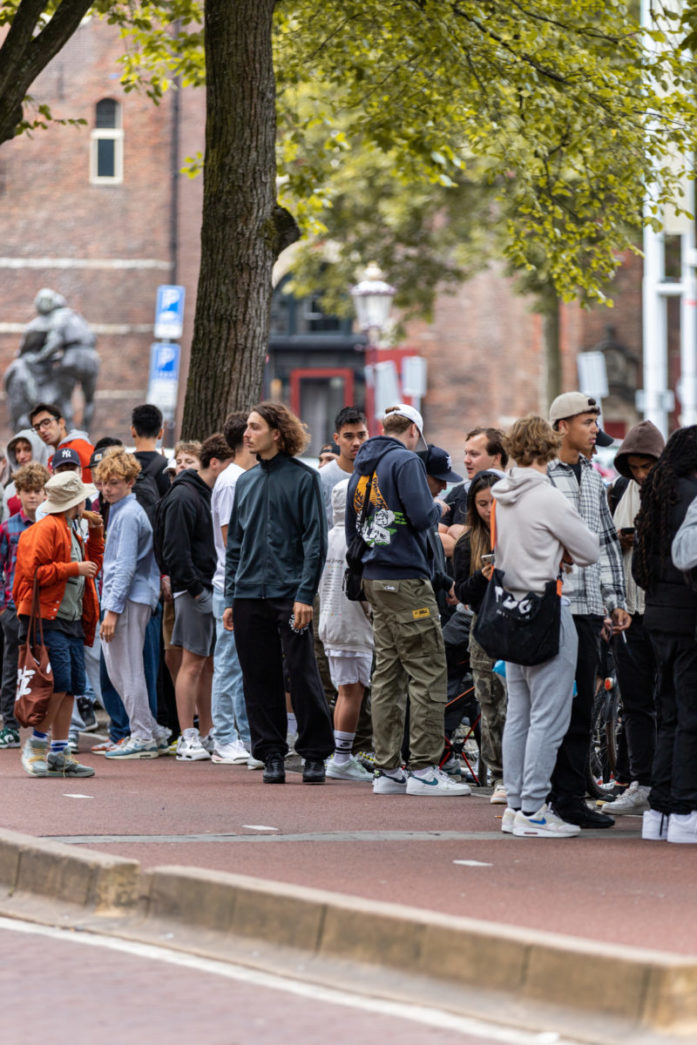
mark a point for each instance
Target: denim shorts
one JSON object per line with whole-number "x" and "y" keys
{"x": 67, "y": 656}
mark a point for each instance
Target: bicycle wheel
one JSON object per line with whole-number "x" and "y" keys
{"x": 602, "y": 754}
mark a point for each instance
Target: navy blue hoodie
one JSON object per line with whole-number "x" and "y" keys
{"x": 401, "y": 511}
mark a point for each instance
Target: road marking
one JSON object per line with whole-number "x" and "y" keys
{"x": 259, "y": 827}
{"x": 472, "y": 863}
{"x": 78, "y": 796}
{"x": 465, "y": 1025}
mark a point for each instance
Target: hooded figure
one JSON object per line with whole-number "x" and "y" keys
{"x": 643, "y": 441}
{"x": 39, "y": 452}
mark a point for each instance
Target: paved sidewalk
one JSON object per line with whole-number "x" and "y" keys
{"x": 445, "y": 855}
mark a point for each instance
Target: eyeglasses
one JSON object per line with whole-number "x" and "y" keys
{"x": 43, "y": 424}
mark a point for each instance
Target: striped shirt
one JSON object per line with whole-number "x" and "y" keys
{"x": 597, "y": 589}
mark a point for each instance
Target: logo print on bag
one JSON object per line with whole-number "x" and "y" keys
{"x": 24, "y": 677}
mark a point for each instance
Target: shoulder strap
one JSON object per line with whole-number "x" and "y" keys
{"x": 492, "y": 523}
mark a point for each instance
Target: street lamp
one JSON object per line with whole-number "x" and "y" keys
{"x": 372, "y": 298}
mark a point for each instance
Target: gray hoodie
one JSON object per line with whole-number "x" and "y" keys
{"x": 39, "y": 453}
{"x": 535, "y": 523}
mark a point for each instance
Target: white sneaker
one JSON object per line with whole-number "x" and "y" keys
{"x": 654, "y": 826}
{"x": 543, "y": 824}
{"x": 254, "y": 763}
{"x": 500, "y": 795}
{"x": 232, "y": 754}
{"x": 190, "y": 748}
{"x": 682, "y": 827}
{"x": 634, "y": 800}
{"x": 208, "y": 742}
{"x": 134, "y": 747}
{"x": 389, "y": 785}
{"x": 351, "y": 770}
{"x": 436, "y": 783}
{"x": 507, "y": 821}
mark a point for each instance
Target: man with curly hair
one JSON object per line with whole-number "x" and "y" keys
{"x": 276, "y": 547}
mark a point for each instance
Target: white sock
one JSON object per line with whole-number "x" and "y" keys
{"x": 292, "y": 723}
{"x": 423, "y": 773}
{"x": 396, "y": 773}
{"x": 343, "y": 743}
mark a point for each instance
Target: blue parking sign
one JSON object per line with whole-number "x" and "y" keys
{"x": 169, "y": 312}
{"x": 163, "y": 384}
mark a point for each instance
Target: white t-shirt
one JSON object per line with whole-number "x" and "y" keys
{"x": 222, "y": 500}
{"x": 331, "y": 474}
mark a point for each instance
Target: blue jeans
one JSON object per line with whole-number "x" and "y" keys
{"x": 119, "y": 726}
{"x": 151, "y": 657}
{"x": 227, "y": 697}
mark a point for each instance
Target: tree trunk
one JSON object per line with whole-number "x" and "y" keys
{"x": 552, "y": 349}
{"x": 243, "y": 229}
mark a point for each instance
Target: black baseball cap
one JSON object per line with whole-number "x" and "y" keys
{"x": 439, "y": 464}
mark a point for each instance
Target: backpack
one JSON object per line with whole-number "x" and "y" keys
{"x": 147, "y": 495}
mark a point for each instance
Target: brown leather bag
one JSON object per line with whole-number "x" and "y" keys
{"x": 34, "y": 675}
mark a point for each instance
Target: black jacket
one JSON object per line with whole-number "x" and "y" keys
{"x": 469, "y": 588}
{"x": 188, "y": 548}
{"x": 277, "y": 538}
{"x": 670, "y": 605}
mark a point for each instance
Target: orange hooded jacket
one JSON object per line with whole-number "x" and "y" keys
{"x": 44, "y": 549}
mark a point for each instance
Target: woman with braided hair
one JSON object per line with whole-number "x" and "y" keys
{"x": 671, "y": 621}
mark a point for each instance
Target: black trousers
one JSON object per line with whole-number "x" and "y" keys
{"x": 636, "y": 673}
{"x": 265, "y": 641}
{"x": 569, "y": 776}
{"x": 674, "y": 776}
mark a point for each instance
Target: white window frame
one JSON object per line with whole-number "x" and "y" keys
{"x": 114, "y": 134}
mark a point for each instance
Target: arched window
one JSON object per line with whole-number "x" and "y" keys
{"x": 106, "y": 153}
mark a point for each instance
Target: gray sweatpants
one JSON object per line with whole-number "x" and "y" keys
{"x": 539, "y": 710}
{"x": 125, "y": 666}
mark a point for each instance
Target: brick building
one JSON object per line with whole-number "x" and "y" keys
{"x": 101, "y": 214}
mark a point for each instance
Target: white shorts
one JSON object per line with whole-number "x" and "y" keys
{"x": 347, "y": 668}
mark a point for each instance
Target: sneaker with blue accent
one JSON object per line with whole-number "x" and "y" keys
{"x": 134, "y": 747}
{"x": 392, "y": 783}
{"x": 435, "y": 783}
{"x": 543, "y": 824}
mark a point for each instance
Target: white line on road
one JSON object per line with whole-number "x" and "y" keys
{"x": 399, "y": 1010}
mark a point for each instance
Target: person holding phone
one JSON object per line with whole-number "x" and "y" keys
{"x": 474, "y": 563}
{"x": 634, "y": 658}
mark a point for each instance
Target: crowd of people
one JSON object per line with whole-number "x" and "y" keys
{"x": 206, "y": 604}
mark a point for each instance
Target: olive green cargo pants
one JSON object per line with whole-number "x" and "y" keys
{"x": 409, "y": 661}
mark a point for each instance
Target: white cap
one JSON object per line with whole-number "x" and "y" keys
{"x": 413, "y": 415}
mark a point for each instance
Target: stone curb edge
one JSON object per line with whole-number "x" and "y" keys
{"x": 651, "y": 989}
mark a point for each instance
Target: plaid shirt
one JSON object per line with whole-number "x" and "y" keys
{"x": 10, "y": 532}
{"x": 596, "y": 589}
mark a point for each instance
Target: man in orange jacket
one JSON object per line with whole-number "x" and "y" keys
{"x": 51, "y": 550}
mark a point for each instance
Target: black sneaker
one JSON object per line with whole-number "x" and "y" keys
{"x": 314, "y": 771}
{"x": 84, "y": 706}
{"x": 274, "y": 770}
{"x": 583, "y": 816}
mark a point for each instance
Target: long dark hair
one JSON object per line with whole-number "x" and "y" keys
{"x": 659, "y": 494}
{"x": 477, "y": 530}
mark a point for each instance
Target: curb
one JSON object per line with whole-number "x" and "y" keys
{"x": 650, "y": 989}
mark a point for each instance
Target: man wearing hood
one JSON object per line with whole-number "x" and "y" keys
{"x": 49, "y": 424}
{"x": 397, "y": 581}
{"x": 634, "y": 657}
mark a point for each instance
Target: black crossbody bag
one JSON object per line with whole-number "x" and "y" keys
{"x": 353, "y": 574}
{"x": 522, "y": 631}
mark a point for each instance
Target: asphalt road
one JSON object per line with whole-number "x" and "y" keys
{"x": 442, "y": 854}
